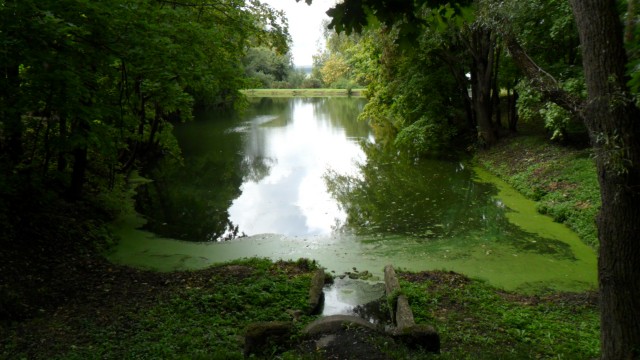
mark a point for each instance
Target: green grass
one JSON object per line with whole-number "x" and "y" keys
{"x": 561, "y": 179}
{"x": 210, "y": 320}
{"x": 302, "y": 92}
{"x": 476, "y": 321}
{"x": 203, "y": 315}
{"x": 195, "y": 319}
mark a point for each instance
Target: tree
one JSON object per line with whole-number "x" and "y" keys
{"x": 336, "y": 65}
{"x": 268, "y": 68}
{"x": 611, "y": 116}
{"x": 613, "y": 120}
{"x": 334, "y": 69}
{"x": 551, "y": 87}
{"x": 467, "y": 45}
{"x": 91, "y": 87}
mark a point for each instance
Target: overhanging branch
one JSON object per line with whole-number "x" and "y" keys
{"x": 542, "y": 80}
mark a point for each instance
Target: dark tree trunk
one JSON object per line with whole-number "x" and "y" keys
{"x": 62, "y": 133}
{"x": 613, "y": 121}
{"x": 80, "y": 160}
{"x": 78, "y": 174}
{"x": 462, "y": 82}
{"x": 128, "y": 160}
{"x": 155, "y": 125}
{"x": 47, "y": 144}
{"x": 142, "y": 112}
{"x": 11, "y": 116}
{"x": 495, "y": 89}
{"x": 482, "y": 47}
{"x": 513, "y": 111}
{"x": 486, "y": 132}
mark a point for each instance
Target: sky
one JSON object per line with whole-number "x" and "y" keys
{"x": 304, "y": 26}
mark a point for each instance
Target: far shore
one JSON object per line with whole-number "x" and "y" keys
{"x": 303, "y": 92}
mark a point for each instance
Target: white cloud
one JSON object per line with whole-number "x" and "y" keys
{"x": 305, "y": 23}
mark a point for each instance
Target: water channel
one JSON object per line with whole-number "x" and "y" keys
{"x": 295, "y": 177}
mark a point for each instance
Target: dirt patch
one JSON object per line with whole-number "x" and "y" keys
{"x": 298, "y": 267}
{"x": 588, "y": 299}
{"x": 448, "y": 278}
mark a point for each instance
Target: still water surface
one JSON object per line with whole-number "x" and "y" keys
{"x": 296, "y": 177}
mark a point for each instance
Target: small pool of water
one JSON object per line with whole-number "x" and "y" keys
{"x": 345, "y": 294}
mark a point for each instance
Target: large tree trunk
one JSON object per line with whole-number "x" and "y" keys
{"x": 482, "y": 48}
{"x": 613, "y": 121}
{"x": 11, "y": 116}
{"x": 458, "y": 72}
{"x": 80, "y": 160}
{"x": 512, "y": 100}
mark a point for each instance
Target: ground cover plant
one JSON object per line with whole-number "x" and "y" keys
{"x": 561, "y": 178}
{"x": 477, "y": 321}
{"x": 141, "y": 314}
{"x": 133, "y": 314}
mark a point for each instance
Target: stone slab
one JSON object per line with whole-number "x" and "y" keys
{"x": 316, "y": 295}
{"x": 404, "y": 314}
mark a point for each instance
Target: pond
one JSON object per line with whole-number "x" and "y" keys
{"x": 295, "y": 177}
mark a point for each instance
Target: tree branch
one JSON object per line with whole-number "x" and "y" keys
{"x": 542, "y": 80}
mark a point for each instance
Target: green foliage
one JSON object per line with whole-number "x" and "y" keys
{"x": 101, "y": 83}
{"x": 295, "y": 78}
{"x": 560, "y": 123}
{"x": 433, "y": 40}
{"x": 409, "y": 94}
{"x": 425, "y": 136}
{"x": 340, "y": 64}
{"x": 311, "y": 83}
{"x": 353, "y": 16}
{"x": 89, "y": 92}
{"x": 343, "y": 83}
{"x": 556, "y": 119}
{"x": 200, "y": 318}
{"x": 266, "y": 68}
{"x": 333, "y": 69}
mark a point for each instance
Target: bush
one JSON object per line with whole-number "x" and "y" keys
{"x": 425, "y": 136}
{"x": 311, "y": 83}
{"x": 343, "y": 83}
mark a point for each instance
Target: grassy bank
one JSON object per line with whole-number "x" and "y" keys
{"x": 476, "y": 321}
{"x": 302, "y": 92}
{"x": 562, "y": 179}
{"x": 126, "y": 313}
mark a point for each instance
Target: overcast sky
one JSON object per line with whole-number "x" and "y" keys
{"x": 304, "y": 26}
